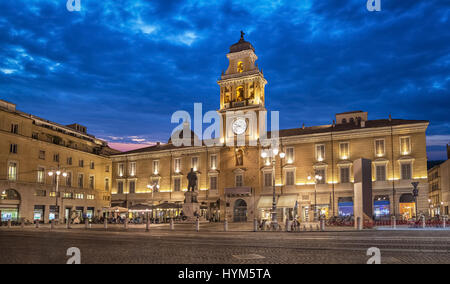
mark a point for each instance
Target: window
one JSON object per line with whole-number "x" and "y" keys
{"x": 42, "y": 155}
{"x": 321, "y": 173}
{"x": 268, "y": 181}
{"x": 345, "y": 174}
{"x": 379, "y": 148}
{"x": 80, "y": 180}
{"x": 92, "y": 165}
{"x": 79, "y": 196}
{"x": 81, "y": 163}
{"x": 320, "y": 153}
{"x": 12, "y": 171}
{"x": 405, "y": 145}
{"x": 176, "y": 184}
{"x": 91, "y": 182}
{"x": 68, "y": 195}
{"x": 107, "y": 169}
{"x": 40, "y": 193}
{"x": 406, "y": 171}
{"x": 380, "y": 172}
{"x": 56, "y": 158}
{"x": 120, "y": 187}
{"x": 344, "y": 150}
{"x": 213, "y": 162}
{"x": 132, "y": 186}
{"x": 69, "y": 161}
{"x": 15, "y": 128}
{"x": 121, "y": 170}
{"x": 106, "y": 184}
{"x": 90, "y": 197}
{"x": 177, "y": 165}
{"x": 213, "y": 183}
{"x": 290, "y": 178}
{"x": 133, "y": 169}
{"x": 194, "y": 163}
{"x": 69, "y": 179}
{"x": 40, "y": 175}
{"x": 290, "y": 155}
{"x": 155, "y": 167}
{"x": 239, "y": 180}
{"x": 52, "y": 194}
{"x": 13, "y": 148}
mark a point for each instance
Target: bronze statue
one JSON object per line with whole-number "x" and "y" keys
{"x": 239, "y": 158}
{"x": 192, "y": 178}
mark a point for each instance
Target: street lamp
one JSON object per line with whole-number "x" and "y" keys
{"x": 57, "y": 174}
{"x": 273, "y": 153}
{"x": 153, "y": 187}
{"x": 317, "y": 179}
{"x": 415, "y": 193}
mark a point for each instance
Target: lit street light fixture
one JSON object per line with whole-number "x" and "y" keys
{"x": 57, "y": 174}
{"x": 273, "y": 153}
{"x": 317, "y": 179}
{"x": 415, "y": 194}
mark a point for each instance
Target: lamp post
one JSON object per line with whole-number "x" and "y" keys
{"x": 273, "y": 153}
{"x": 57, "y": 173}
{"x": 415, "y": 193}
{"x": 317, "y": 178}
{"x": 153, "y": 187}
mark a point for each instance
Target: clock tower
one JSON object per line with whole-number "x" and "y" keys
{"x": 242, "y": 94}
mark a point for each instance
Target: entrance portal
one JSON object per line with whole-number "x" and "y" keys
{"x": 240, "y": 211}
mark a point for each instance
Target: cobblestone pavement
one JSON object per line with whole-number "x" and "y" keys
{"x": 213, "y": 246}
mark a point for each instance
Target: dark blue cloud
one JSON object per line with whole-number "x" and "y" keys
{"x": 123, "y": 67}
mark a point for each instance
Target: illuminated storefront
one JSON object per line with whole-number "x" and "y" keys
{"x": 345, "y": 206}
{"x": 407, "y": 206}
{"x": 381, "y": 207}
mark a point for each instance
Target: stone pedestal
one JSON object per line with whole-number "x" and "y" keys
{"x": 363, "y": 201}
{"x": 191, "y": 207}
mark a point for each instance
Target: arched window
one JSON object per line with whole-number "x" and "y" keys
{"x": 344, "y": 121}
{"x": 9, "y": 194}
{"x": 240, "y": 67}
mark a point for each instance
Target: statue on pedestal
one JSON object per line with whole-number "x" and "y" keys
{"x": 191, "y": 208}
{"x": 192, "y": 178}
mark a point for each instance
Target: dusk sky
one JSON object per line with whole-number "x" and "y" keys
{"x": 122, "y": 68}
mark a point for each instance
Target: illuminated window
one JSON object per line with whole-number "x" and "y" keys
{"x": 320, "y": 152}
{"x": 290, "y": 155}
{"x": 406, "y": 171}
{"x": 120, "y": 170}
{"x": 90, "y": 197}
{"x": 321, "y": 173}
{"x": 80, "y": 180}
{"x": 344, "y": 150}
{"x": 133, "y": 169}
{"x": 41, "y": 175}
{"x": 240, "y": 67}
{"x": 405, "y": 145}
{"x": 106, "y": 184}
{"x": 68, "y": 195}
{"x": 239, "y": 180}
{"x": 379, "y": 148}
{"x": 79, "y": 196}
{"x": 12, "y": 171}
{"x": 69, "y": 179}
{"x": 177, "y": 165}
{"x": 91, "y": 182}
{"x": 194, "y": 163}
{"x": 155, "y": 167}
{"x": 213, "y": 162}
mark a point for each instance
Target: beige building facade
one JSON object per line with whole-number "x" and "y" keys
{"x": 31, "y": 148}
{"x": 316, "y": 173}
{"x": 439, "y": 184}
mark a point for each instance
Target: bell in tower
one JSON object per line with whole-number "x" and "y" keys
{"x": 242, "y": 85}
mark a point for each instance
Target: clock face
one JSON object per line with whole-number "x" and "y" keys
{"x": 239, "y": 126}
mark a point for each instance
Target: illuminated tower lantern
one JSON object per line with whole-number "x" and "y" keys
{"x": 241, "y": 92}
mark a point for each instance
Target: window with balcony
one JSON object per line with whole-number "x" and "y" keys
{"x": 177, "y": 165}
{"x": 213, "y": 162}
{"x": 90, "y": 197}
{"x": 12, "y": 171}
{"x": 239, "y": 180}
{"x": 120, "y": 170}
{"x": 40, "y": 175}
{"x": 345, "y": 174}
{"x": 133, "y": 169}
{"x": 79, "y": 196}
{"x": 155, "y": 167}
{"x": 194, "y": 163}
{"x": 290, "y": 155}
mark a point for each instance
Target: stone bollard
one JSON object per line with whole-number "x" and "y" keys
{"x": 125, "y": 224}
{"x": 225, "y": 225}
{"x": 311, "y": 227}
{"x": 288, "y": 225}
{"x": 322, "y": 225}
{"x": 359, "y": 225}
{"x": 22, "y": 223}
{"x": 52, "y": 224}
{"x": 37, "y": 224}
{"x": 424, "y": 224}
{"x": 197, "y": 225}
{"x": 86, "y": 223}
{"x": 9, "y": 224}
{"x": 394, "y": 222}
{"x": 444, "y": 222}
{"x": 304, "y": 228}
{"x": 172, "y": 225}
{"x": 147, "y": 224}
{"x": 105, "y": 224}
{"x": 68, "y": 224}
{"x": 255, "y": 225}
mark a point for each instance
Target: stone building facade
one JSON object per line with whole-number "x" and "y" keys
{"x": 439, "y": 183}
{"x": 31, "y": 148}
{"x": 315, "y": 175}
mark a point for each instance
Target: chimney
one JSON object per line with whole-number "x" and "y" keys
{"x": 390, "y": 118}
{"x": 334, "y": 123}
{"x": 303, "y": 126}
{"x": 363, "y": 123}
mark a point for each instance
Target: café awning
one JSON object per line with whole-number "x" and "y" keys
{"x": 265, "y": 202}
{"x": 287, "y": 201}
